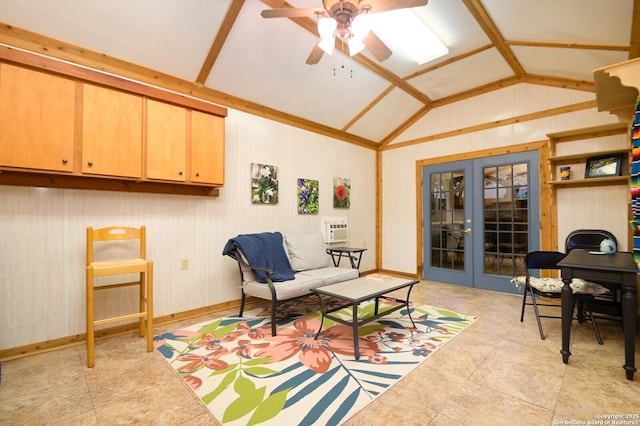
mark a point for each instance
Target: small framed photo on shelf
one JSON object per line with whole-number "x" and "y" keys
{"x": 603, "y": 166}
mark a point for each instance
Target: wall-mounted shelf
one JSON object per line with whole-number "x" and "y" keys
{"x": 577, "y": 155}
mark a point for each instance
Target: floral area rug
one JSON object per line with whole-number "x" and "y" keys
{"x": 245, "y": 376}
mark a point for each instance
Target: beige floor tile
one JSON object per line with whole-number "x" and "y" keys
{"x": 497, "y": 372}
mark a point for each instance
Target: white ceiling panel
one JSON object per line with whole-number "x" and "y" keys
{"x": 594, "y": 21}
{"x": 476, "y": 70}
{"x": 385, "y": 116}
{"x": 166, "y": 35}
{"x": 568, "y": 63}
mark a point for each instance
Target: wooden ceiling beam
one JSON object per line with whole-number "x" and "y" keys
{"x": 562, "y": 83}
{"x": 569, "y": 45}
{"x": 486, "y": 23}
{"x": 221, "y": 37}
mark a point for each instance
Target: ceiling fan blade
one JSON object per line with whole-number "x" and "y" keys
{"x": 378, "y": 6}
{"x": 291, "y": 12}
{"x": 377, "y": 48}
{"x": 315, "y": 55}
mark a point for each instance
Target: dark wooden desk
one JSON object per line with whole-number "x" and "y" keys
{"x": 619, "y": 269}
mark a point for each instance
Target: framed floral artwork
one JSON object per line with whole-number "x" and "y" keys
{"x": 264, "y": 184}
{"x": 308, "y": 196}
{"x": 341, "y": 193}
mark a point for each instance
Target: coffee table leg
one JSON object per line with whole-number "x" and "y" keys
{"x": 321, "y": 319}
{"x": 356, "y": 349}
{"x": 406, "y": 304}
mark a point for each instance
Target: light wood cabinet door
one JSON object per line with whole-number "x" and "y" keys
{"x": 166, "y": 141}
{"x": 37, "y": 116}
{"x": 111, "y": 132}
{"x": 207, "y": 148}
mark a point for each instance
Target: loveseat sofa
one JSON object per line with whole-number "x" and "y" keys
{"x": 279, "y": 267}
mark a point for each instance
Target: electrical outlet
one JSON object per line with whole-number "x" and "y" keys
{"x": 184, "y": 264}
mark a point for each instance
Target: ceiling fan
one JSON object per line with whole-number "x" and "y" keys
{"x": 346, "y": 21}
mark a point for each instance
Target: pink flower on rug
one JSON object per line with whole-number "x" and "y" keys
{"x": 209, "y": 341}
{"x": 193, "y": 382}
{"x": 245, "y": 347}
{"x": 211, "y": 361}
{"x": 244, "y": 329}
{"x": 315, "y": 354}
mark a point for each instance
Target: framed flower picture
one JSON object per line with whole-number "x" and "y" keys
{"x": 341, "y": 193}
{"x": 308, "y": 196}
{"x": 264, "y": 184}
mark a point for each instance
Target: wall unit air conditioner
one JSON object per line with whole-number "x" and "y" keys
{"x": 336, "y": 232}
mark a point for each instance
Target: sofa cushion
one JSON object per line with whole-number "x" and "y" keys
{"x": 306, "y": 250}
{"x": 299, "y": 286}
{"x": 332, "y": 275}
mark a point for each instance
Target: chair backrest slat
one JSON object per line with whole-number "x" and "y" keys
{"x": 587, "y": 239}
{"x": 116, "y": 233}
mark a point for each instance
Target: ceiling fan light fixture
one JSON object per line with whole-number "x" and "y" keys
{"x": 327, "y": 27}
{"x": 360, "y": 27}
{"x": 327, "y": 45}
{"x": 355, "y": 46}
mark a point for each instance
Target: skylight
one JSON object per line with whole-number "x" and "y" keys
{"x": 402, "y": 31}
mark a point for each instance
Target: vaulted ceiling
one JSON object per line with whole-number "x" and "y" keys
{"x": 225, "y": 52}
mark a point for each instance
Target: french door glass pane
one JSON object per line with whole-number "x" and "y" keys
{"x": 447, "y": 220}
{"x": 505, "y": 219}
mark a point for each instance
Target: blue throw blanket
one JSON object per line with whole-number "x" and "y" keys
{"x": 264, "y": 250}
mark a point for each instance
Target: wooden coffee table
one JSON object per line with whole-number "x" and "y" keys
{"x": 358, "y": 290}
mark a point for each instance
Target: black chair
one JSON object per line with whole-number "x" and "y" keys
{"x": 547, "y": 287}
{"x": 607, "y": 306}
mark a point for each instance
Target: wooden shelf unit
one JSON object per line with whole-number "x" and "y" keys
{"x": 554, "y": 162}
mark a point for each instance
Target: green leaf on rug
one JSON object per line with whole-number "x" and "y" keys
{"x": 269, "y": 408}
{"x": 224, "y": 384}
{"x": 249, "y": 398}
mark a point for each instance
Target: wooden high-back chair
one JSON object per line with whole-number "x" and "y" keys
{"x": 114, "y": 235}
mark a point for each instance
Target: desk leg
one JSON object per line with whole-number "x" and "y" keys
{"x": 356, "y": 350}
{"x": 567, "y": 316}
{"x": 629, "y": 323}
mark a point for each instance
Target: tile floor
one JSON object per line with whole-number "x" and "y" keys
{"x": 497, "y": 372}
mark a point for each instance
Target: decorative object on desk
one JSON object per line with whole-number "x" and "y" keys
{"x": 308, "y": 196}
{"x": 608, "y": 246}
{"x": 341, "y": 193}
{"x": 379, "y": 277}
{"x": 565, "y": 172}
{"x": 264, "y": 184}
{"x": 243, "y": 375}
{"x": 603, "y": 166}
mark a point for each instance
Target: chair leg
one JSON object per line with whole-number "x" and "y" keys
{"x": 524, "y": 303}
{"x": 535, "y": 308}
{"x": 274, "y": 305}
{"x": 242, "y": 301}
{"x": 141, "y": 301}
{"x": 149, "y": 299}
{"x": 91, "y": 359}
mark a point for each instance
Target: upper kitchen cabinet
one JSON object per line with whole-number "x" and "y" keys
{"x": 37, "y": 119}
{"x": 166, "y": 131}
{"x": 111, "y": 132}
{"x": 207, "y": 148}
